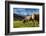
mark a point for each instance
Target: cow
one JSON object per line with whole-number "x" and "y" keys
{"x": 33, "y": 17}
{"x": 27, "y": 18}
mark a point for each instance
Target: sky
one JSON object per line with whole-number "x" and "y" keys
{"x": 25, "y": 11}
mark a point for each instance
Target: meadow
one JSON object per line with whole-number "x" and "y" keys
{"x": 20, "y": 24}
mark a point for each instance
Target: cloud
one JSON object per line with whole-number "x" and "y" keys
{"x": 25, "y": 11}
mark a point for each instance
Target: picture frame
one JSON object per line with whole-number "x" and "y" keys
{"x": 8, "y": 10}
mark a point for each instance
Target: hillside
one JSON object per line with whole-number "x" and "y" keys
{"x": 18, "y": 17}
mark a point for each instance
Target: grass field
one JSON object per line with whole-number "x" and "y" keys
{"x": 20, "y": 24}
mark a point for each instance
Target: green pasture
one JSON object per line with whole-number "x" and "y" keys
{"x": 20, "y": 24}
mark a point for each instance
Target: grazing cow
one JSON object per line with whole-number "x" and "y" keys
{"x": 33, "y": 17}
{"x": 27, "y": 18}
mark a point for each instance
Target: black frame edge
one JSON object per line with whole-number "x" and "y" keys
{"x": 7, "y": 18}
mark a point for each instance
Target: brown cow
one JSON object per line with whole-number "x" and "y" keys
{"x": 33, "y": 17}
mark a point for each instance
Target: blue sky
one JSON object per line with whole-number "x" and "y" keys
{"x": 25, "y": 11}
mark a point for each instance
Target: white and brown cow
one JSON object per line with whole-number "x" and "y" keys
{"x": 33, "y": 17}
